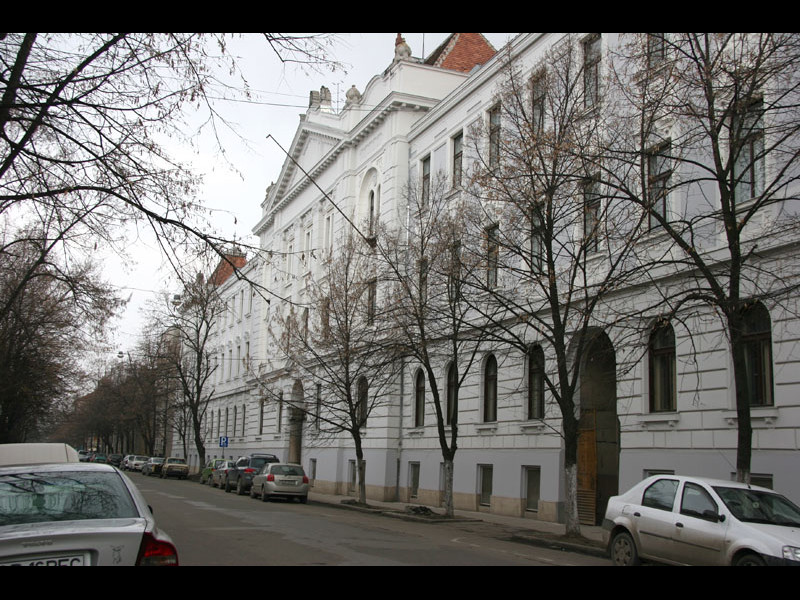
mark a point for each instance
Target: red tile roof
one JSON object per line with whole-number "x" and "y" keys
{"x": 462, "y": 52}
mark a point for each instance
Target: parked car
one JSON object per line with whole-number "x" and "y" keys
{"x": 153, "y": 466}
{"x": 221, "y": 473}
{"x": 74, "y": 513}
{"x": 175, "y": 467}
{"x": 99, "y": 457}
{"x": 240, "y": 477}
{"x": 136, "y": 462}
{"x": 698, "y": 521}
{"x": 83, "y": 455}
{"x": 277, "y": 480}
{"x": 115, "y": 459}
{"x": 208, "y": 470}
{"x": 31, "y": 454}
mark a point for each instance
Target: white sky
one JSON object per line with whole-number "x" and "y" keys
{"x": 280, "y": 95}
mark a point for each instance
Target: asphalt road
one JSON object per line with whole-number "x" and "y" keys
{"x": 213, "y": 528}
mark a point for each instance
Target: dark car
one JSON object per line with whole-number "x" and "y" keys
{"x": 219, "y": 475}
{"x": 115, "y": 460}
{"x": 240, "y": 477}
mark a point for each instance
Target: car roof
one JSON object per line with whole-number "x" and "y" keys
{"x": 710, "y": 481}
{"x": 35, "y": 454}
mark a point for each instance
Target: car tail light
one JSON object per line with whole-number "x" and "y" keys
{"x": 270, "y": 477}
{"x": 305, "y": 479}
{"x": 156, "y": 553}
{"x": 249, "y": 470}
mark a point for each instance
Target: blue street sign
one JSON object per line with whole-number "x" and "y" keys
{"x": 223, "y": 442}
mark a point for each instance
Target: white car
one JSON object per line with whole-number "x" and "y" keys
{"x": 698, "y": 521}
{"x": 77, "y": 514}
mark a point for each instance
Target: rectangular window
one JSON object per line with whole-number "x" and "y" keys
{"x": 538, "y": 105}
{"x": 372, "y": 301}
{"x": 494, "y": 136}
{"x": 413, "y": 479}
{"x": 656, "y": 50}
{"x": 537, "y": 240}
{"x": 261, "y": 416}
{"x": 533, "y": 477}
{"x": 458, "y": 155}
{"x": 485, "y": 484}
{"x": 591, "y": 70}
{"x": 328, "y": 233}
{"x": 591, "y": 215}
{"x": 658, "y": 175}
{"x": 747, "y": 144}
{"x": 492, "y": 255}
{"x": 426, "y": 180}
{"x": 308, "y": 247}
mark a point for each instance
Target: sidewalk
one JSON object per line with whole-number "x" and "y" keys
{"x": 529, "y": 531}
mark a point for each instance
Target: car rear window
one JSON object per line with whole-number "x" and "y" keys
{"x": 39, "y": 497}
{"x": 287, "y": 470}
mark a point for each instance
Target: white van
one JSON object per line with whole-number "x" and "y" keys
{"x": 36, "y": 454}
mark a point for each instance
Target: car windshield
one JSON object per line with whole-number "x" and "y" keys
{"x": 755, "y": 506}
{"x": 157, "y": 460}
{"x": 176, "y": 461}
{"x": 260, "y": 461}
{"x": 140, "y": 458}
{"x": 63, "y": 496}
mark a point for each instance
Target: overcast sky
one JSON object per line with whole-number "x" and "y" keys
{"x": 236, "y": 189}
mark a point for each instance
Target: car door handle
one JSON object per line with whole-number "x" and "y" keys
{"x": 678, "y": 524}
{"x": 636, "y": 514}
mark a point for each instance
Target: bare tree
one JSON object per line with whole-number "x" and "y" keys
{"x": 188, "y": 324}
{"x": 707, "y": 146}
{"x": 428, "y": 317}
{"x": 555, "y": 246}
{"x": 335, "y": 343}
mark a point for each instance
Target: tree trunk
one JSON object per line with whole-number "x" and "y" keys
{"x": 745, "y": 428}
{"x": 449, "y": 508}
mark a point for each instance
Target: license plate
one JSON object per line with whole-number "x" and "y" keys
{"x": 72, "y": 560}
{"x": 288, "y": 482}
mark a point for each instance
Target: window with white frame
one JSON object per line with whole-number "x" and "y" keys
{"x": 747, "y": 144}
{"x": 658, "y": 177}
{"x": 426, "y": 180}
{"x": 419, "y": 399}
{"x": 591, "y": 214}
{"x": 757, "y": 341}
{"x": 656, "y": 49}
{"x": 328, "y": 233}
{"x": 492, "y": 255}
{"x": 494, "y": 136}
{"x": 452, "y": 390}
{"x": 591, "y": 70}
{"x": 538, "y": 102}
{"x": 661, "y": 351}
{"x": 537, "y": 249}
{"x": 490, "y": 390}
{"x": 372, "y": 301}
{"x": 535, "y": 382}
{"x": 458, "y": 159}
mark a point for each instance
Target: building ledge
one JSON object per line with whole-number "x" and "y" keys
{"x": 486, "y": 427}
{"x": 532, "y": 426}
{"x": 764, "y": 417}
{"x": 669, "y": 419}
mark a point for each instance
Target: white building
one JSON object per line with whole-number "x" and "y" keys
{"x": 352, "y": 167}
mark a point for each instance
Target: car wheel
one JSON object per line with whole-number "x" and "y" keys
{"x": 264, "y": 496}
{"x": 749, "y": 560}
{"x": 239, "y": 488}
{"x": 623, "y": 550}
{"x": 303, "y": 499}
{"x": 252, "y": 491}
{"x": 227, "y": 486}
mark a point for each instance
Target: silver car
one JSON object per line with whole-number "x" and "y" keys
{"x": 279, "y": 480}
{"x": 77, "y": 514}
{"x": 698, "y": 521}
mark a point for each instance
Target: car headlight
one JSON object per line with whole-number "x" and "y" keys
{"x": 791, "y": 553}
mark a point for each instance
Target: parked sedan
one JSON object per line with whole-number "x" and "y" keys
{"x": 221, "y": 473}
{"x": 698, "y": 521}
{"x": 136, "y": 462}
{"x": 175, "y": 467}
{"x": 77, "y": 514}
{"x": 153, "y": 466}
{"x": 279, "y": 480}
{"x": 211, "y": 466}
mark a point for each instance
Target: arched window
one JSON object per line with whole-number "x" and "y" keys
{"x": 535, "y": 382}
{"x": 490, "y": 390}
{"x": 661, "y": 352}
{"x": 452, "y": 388}
{"x": 362, "y": 397}
{"x": 757, "y": 341}
{"x": 419, "y": 399}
